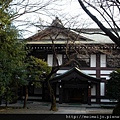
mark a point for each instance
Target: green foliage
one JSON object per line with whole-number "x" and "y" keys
{"x": 113, "y": 85}
{"x": 12, "y": 54}
{"x": 5, "y": 13}
{"x": 14, "y": 71}
{"x": 37, "y": 70}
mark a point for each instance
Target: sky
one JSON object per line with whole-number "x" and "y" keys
{"x": 68, "y": 11}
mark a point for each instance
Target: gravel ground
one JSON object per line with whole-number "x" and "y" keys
{"x": 43, "y": 108}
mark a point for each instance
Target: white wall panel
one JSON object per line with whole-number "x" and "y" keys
{"x": 89, "y": 71}
{"x": 102, "y": 89}
{"x": 93, "y": 90}
{"x": 93, "y": 61}
{"x": 93, "y": 100}
{"x": 50, "y": 60}
{"x": 107, "y": 100}
{"x": 107, "y": 77}
{"x": 105, "y": 71}
{"x": 59, "y": 56}
{"x": 102, "y": 60}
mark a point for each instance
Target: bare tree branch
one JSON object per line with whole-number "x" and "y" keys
{"x": 102, "y": 27}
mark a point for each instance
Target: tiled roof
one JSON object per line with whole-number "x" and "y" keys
{"x": 57, "y": 32}
{"x": 61, "y": 35}
{"x": 75, "y": 72}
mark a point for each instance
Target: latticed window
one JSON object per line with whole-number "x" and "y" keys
{"x": 83, "y": 60}
{"x": 113, "y": 61}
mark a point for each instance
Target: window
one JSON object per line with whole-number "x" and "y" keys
{"x": 113, "y": 61}
{"x": 84, "y": 60}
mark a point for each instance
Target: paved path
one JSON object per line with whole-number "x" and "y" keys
{"x": 43, "y": 108}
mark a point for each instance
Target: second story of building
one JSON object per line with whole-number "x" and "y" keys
{"x": 60, "y": 46}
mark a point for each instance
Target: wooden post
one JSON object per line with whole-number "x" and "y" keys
{"x": 60, "y": 94}
{"x": 43, "y": 91}
{"x": 98, "y": 93}
{"x": 89, "y": 95}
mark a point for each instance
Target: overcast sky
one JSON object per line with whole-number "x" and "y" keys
{"x": 68, "y": 11}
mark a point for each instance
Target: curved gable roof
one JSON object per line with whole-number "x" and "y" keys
{"x": 75, "y": 73}
{"x": 57, "y": 29}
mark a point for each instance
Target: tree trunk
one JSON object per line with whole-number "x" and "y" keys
{"x": 52, "y": 98}
{"x": 51, "y": 92}
{"x": 0, "y": 100}
{"x": 26, "y": 97}
{"x": 116, "y": 110}
{"x": 6, "y": 103}
{"x": 53, "y": 103}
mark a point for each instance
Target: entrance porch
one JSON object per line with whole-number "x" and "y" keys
{"x": 75, "y": 86}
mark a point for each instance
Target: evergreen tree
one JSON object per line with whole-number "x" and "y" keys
{"x": 12, "y": 54}
{"x": 113, "y": 89}
{"x": 113, "y": 86}
{"x": 36, "y": 72}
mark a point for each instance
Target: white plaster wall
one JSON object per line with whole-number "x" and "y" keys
{"x": 102, "y": 89}
{"x": 57, "y": 99}
{"x": 105, "y": 72}
{"x": 84, "y": 71}
{"x": 59, "y": 56}
{"x": 102, "y": 60}
{"x": 93, "y": 90}
{"x": 50, "y": 59}
{"x": 107, "y": 77}
{"x": 93, "y": 61}
{"x": 89, "y": 71}
{"x": 107, "y": 100}
{"x": 93, "y": 100}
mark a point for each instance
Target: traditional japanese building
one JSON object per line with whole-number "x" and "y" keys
{"x": 86, "y": 60}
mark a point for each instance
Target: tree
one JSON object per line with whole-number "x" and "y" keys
{"x": 36, "y": 72}
{"x": 10, "y": 11}
{"x": 113, "y": 89}
{"x": 12, "y": 54}
{"x": 109, "y": 11}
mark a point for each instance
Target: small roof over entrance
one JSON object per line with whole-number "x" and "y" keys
{"x": 75, "y": 73}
